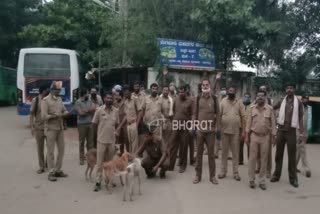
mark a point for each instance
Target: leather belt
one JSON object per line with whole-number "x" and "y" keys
{"x": 261, "y": 135}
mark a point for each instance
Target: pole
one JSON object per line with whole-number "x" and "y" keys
{"x": 99, "y": 72}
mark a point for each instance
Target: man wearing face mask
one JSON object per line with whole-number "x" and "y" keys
{"x": 37, "y": 125}
{"x": 232, "y": 120}
{"x": 85, "y": 110}
{"x": 105, "y": 119}
{"x": 95, "y": 97}
{"x": 247, "y": 104}
{"x": 301, "y": 146}
{"x": 151, "y": 111}
{"x": 52, "y": 112}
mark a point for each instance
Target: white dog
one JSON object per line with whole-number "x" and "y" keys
{"x": 133, "y": 171}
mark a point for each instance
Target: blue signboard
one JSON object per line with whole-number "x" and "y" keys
{"x": 186, "y": 54}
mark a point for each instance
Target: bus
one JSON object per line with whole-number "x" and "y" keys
{"x": 8, "y": 89}
{"x": 38, "y": 66}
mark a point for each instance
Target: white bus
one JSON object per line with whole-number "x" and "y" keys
{"x": 42, "y": 66}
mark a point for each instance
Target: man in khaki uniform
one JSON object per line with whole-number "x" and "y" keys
{"x": 206, "y": 113}
{"x": 85, "y": 109}
{"x": 96, "y": 100}
{"x": 232, "y": 118}
{"x": 141, "y": 97}
{"x": 106, "y": 119}
{"x": 247, "y": 104}
{"x": 122, "y": 139}
{"x": 302, "y": 141}
{"x": 183, "y": 108}
{"x": 52, "y": 112}
{"x": 132, "y": 109}
{"x": 151, "y": 111}
{"x": 166, "y": 105}
{"x": 260, "y": 125}
{"x": 37, "y": 126}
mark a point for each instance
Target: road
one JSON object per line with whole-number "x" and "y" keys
{"x": 23, "y": 191}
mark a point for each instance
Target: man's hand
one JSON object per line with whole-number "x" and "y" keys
{"x": 155, "y": 169}
{"x": 243, "y": 135}
{"x": 247, "y": 139}
{"x": 117, "y": 132}
{"x": 218, "y": 76}
{"x": 165, "y": 71}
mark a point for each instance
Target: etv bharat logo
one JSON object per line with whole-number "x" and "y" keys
{"x": 180, "y": 124}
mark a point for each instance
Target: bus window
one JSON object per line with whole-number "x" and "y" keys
{"x": 47, "y": 65}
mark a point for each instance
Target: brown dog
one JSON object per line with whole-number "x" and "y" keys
{"x": 91, "y": 162}
{"x": 117, "y": 167}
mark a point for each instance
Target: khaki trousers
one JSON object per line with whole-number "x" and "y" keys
{"x": 302, "y": 154}
{"x": 258, "y": 145}
{"x": 105, "y": 152}
{"x": 55, "y": 137}
{"x": 230, "y": 141}
{"x": 207, "y": 138}
{"x": 289, "y": 138}
{"x": 85, "y": 139}
{"x": 269, "y": 164}
{"x": 40, "y": 138}
{"x": 133, "y": 137}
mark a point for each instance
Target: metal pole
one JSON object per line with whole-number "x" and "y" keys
{"x": 99, "y": 72}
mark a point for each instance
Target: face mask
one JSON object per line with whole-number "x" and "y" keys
{"x": 154, "y": 93}
{"x": 305, "y": 103}
{"x": 206, "y": 90}
{"x": 86, "y": 98}
{"x": 171, "y": 88}
{"x": 109, "y": 103}
{"x": 223, "y": 93}
{"x": 231, "y": 95}
{"x": 246, "y": 102}
{"x": 93, "y": 95}
{"x": 136, "y": 91}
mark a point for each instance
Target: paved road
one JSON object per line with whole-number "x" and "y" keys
{"x": 23, "y": 191}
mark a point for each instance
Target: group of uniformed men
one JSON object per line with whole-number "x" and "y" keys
{"x": 143, "y": 125}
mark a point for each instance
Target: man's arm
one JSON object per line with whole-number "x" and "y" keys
{"x": 141, "y": 150}
{"x": 216, "y": 83}
{"x": 277, "y": 105}
{"x": 242, "y": 117}
{"x": 248, "y": 126}
{"x": 32, "y": 115}
{"x": 301, "y": 125}
{"x": 79, "y": 110}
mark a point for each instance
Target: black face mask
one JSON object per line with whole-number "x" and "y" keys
{"x": 109, "y": 103}
{"x": 231, "y": 96}
{"x": 86, "y": 98}
{"x": 94, "y": 96}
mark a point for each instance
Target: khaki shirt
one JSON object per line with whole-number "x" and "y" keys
{"x": 154, "y": 149}
{"x": 106, "y": 121}
{"x": 261, "y": 121}
{"x": 50, "y": 107}
{"x": 131, "y": 109}
{"x": 141, "y": 97}
{"x": 165, "y": 106}
{"x": 152, "y": 109}
{"x": 232, "y": 116}
{"x": 183, "y": 109}
{"x": 38, "y": 122}
{"x": 207, "y": 114}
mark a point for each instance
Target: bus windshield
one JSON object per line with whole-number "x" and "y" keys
{"x": 47, "y": 65}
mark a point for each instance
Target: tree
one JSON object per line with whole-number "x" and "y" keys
{"x": 14, "y": 15}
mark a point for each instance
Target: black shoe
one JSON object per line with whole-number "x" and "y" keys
{"x": 97, "y": 187}
{"x": 262, "y": 186}
{"x": 52, "y": 178}
{"x": 252, "y": 184}
{"x": 151, "y": 175}
{"x": 241, "y": 163}
{"x": 308, "y": 174}
{"x": 182, "y": 170}
{"x": 162, "y": 174}
{"x": 40, "y": 171}
{"x": 60, "y": 174}
{"x": 294, "y": 183}
{"x": 274, "y": 179}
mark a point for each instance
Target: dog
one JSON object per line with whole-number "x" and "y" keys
{"x": 91, "y": 157}
{"x": 133, "y": 171}
{"x": 91, "y": 162}
{"x": 117, "y": 167}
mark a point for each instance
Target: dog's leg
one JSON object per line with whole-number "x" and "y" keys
{"x": 121, "y": 180}
{"x": 131, "y": 188}
{"x": 139, "y": 183}
{"x": 125, "y": 189}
